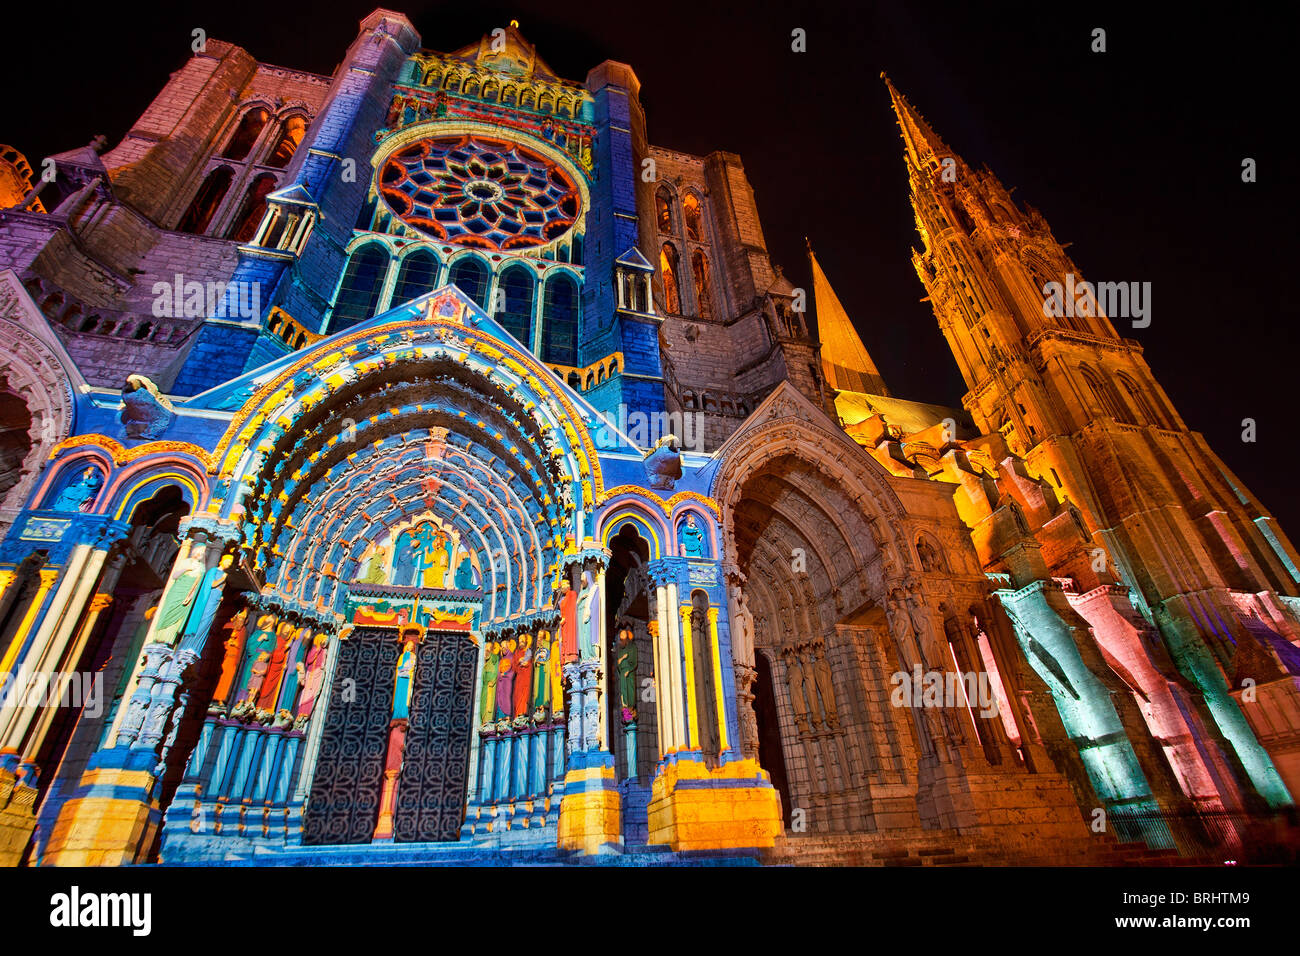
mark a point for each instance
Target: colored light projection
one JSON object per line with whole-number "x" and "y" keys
{"x": 480, "y": 192}
{"x": 423, "y": 554}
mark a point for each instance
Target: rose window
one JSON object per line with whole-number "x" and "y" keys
{"x": 480, "y": 192}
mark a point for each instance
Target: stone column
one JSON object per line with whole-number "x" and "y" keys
{"x": 724, "y": 743}
{"x": 47, "y": 578}
{"x": 688, "y": 653}
{"x": 681, "y": 728}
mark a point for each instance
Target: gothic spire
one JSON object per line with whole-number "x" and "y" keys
{"x": 845, "y": 360}
{"x": 923, "y": 146}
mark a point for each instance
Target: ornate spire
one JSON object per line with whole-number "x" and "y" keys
{"x": 845, "y": 360}
{"x": 923, "y": 146}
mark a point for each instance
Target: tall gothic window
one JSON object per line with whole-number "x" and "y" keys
{"x": 199, "y": 216}
{"x": 700, "y": 267}
{"x": 1104, "y": 396}
{"x": 418, "y": 275}
{"x": 1139, "y": 401}
{"x": 287, "y": 145}
{"x": 691, "y": 213}
{"x": 251, "y": 212}
{"x": 471, "y": 276}
{"x": 668, "y": 267}
{"x": 560, "y": 311}
{"x": 362, "y": 284}
{"x": 246, "y": 133}
{"x": 664, "y": 210}
{"x": 517, "y": 284}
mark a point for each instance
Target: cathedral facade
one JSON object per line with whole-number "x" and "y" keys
{"x": 417, "y": 464}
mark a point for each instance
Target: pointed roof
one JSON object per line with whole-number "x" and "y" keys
{"x": 635, "y": 260}
{"x": 507, "y": 52}
{"x": 845, "y": 360}
{"x": 923, "y": 146}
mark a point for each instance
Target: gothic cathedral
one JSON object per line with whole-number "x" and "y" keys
{"x": 416, "y": 464}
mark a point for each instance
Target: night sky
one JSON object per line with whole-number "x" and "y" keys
{"x": 1134, "y": 155}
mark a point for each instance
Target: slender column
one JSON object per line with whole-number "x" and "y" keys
{"x": 557, "y": 750}
{"x": 719, "y": 692}
{"x": 519, "y": 765}
{"x": 94, "y": 609}
{"x": 603, "y": 683}
{"x": 653, "y": 627}
{"x": 393, "y": 768}
{"x": 232, "y": 739}
{"x": 688, "y": 651}
{"x": 55, "y": 632}
{"x": 537, "y": 762}
{"x": 281, "y": 793}
{"x": 501, "y": 778}
{"x": 668, "y": 680}
{"x": 194, "y": 766}
{"x": 47, "y": 579}
{"x": 573, "y": 688}
{"x": 488, "y": 766}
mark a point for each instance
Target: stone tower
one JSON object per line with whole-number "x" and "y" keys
{"x": 1047, "y": 371}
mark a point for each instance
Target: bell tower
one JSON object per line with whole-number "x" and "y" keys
{"x": 1052, "y": 382}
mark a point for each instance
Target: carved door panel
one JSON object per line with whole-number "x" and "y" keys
{"x": 431, "y": 792}
{"x": 348, "y": 782}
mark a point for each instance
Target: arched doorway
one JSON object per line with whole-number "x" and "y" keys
{"x": 771, "y": 754}
{"x": 426, "y": 486}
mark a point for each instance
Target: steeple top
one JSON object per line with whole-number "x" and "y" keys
{"x": 845, "y": 360}
{"x": 923, "y": 146}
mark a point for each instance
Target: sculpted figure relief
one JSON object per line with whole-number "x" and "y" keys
{"x": 80, "y": 494}
{"x": 179, "y": 599}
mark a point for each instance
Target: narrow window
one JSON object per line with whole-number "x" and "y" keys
{"x": 691, "y": 213}
{"x": 362, "y": 284}
{"x": 700, "y": 266}
{"x": 204, "y": 207}
{"x": 668, "y": 266}
{"x": 246, "y": 133}
{"x": 290, "y": 137}
{"x": 471, "y": 276}
{"x": 417, "y": 276}
{"x": 250, "y": 214}
{"x": 517, "y": 284}
{"x": 560, "y": 312}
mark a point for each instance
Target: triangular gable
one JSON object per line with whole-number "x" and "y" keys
{"x": 786, "y": 402}
{"x": 297, "y": 193}
{"x": 633, "y": 259}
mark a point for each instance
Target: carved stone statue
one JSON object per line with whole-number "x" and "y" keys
{"x": 80, "y": 494}
{"x": 312, "y": 671}
{"x": 626, "y": 664}
{"x": 690, "y": 537}
{"x": 404, "y": 683}
{"x": 589, "y": 615}
{"x": 794, "y": 674}
{"x": 237, "y": 629}
{"x": 488, "y": 697}
{"x": 664, "y": 464}
{"x": 826, "y": 688}
{"x": 178, "y": 601}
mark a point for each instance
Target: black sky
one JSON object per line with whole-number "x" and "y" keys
{"x": 1134, "y": 156}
